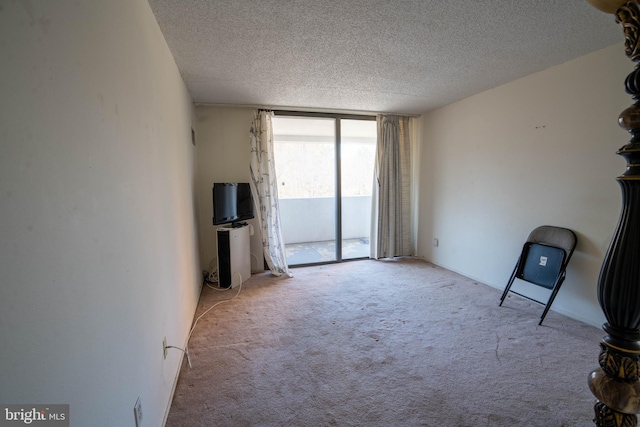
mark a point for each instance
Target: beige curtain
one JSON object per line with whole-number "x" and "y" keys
{"x": 264, "y": 190}
{"x": 391, "y": 222}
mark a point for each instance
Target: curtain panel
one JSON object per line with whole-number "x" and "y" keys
{"x": 264, "y": 190}
{"x": 391, "y": 222}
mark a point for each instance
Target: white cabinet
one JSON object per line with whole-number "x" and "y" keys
{"x": 234, "y": 258}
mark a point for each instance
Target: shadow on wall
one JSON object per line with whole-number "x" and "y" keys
{"x": 583, "y": 267}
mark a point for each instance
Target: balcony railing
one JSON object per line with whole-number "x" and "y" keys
{"x": 308, "y": 228}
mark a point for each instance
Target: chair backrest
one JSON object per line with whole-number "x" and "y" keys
{"x": 555, "y": 236}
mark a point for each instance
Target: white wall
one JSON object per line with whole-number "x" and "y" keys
{"x": 98, "y": 247}
{"x": 223, "y": 155}
{"x": 539, "y": 150}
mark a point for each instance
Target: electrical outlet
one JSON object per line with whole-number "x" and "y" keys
{"x": 137, "y": 412}
{"x": 435, "y": 243}
{"x": 164, "y": 347}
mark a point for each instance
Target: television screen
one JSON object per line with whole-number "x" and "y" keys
{"x": 244, "y": 202}
{"x": 232, "y": 203}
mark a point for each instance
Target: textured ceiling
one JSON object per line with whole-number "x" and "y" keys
{"x": 371, "y": 55}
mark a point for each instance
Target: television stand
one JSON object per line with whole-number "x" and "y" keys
{"x": 234, "y": 257}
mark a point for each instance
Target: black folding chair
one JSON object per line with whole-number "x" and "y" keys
{"x": 543, "y": 262}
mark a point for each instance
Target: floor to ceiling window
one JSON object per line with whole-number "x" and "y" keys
{"x": 324, "y": 165}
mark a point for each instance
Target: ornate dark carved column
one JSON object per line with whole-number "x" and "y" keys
{"x": 616, "y": 384}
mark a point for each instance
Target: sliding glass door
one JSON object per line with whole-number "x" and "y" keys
{"x": 324, "y": 165}
{"x": 305, "y": 154}
{"x": 357, "y": 157}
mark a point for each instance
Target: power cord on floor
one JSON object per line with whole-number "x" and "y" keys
{"x": 209, "y": 279}
{"x": 182, "y": 350}
{"x": 186, "y": 350}
{"x": 212, "y": 275}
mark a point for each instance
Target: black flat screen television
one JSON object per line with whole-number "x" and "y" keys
{"x": 232, "y": 203}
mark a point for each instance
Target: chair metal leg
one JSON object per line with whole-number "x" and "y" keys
{"x": 511, "y": 279}
{"x": 556, "y": 288}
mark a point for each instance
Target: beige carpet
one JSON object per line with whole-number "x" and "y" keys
{"x": 383, "y": 343}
